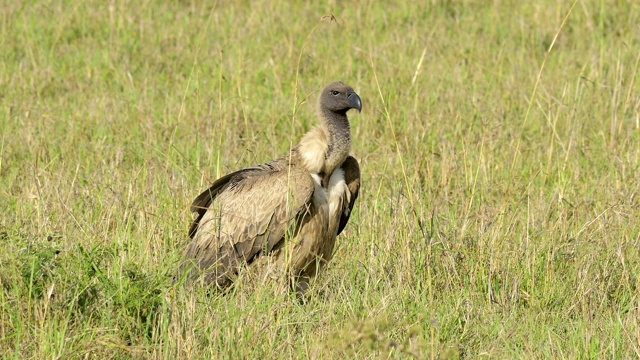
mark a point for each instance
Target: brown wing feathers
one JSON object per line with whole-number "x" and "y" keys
{"x": 201, "y": 203}
{"x": 352, "y": 179}
{"x": 241, "y": 219}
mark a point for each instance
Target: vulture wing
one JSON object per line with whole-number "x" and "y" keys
{"x": 245, "y": 214}
{"x": 351, "y": 171}
{"x": 201, "y": 203}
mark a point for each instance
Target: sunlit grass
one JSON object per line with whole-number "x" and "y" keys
{"x": 494, "y": 220}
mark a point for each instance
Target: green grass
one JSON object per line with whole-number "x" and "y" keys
{"x": 494, "y": 221}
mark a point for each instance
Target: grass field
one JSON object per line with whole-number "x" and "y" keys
{"x": 499, "y": 143}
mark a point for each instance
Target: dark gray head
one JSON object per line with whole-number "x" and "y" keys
{"x": 339, "y": 97}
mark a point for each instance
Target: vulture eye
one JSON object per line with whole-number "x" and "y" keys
{"x": 334, "y": 93}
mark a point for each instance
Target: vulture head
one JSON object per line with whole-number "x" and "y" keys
{"x": 339, "y": 98}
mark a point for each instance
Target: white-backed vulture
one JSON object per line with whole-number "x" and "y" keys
{"x": 289, "y": 210}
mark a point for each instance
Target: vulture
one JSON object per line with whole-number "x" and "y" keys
{"x": 287, "y": 212}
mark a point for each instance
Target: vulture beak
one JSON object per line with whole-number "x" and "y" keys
{"x": 354, "y": 101}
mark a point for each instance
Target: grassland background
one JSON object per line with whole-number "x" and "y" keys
{"x": 493, "y": 221}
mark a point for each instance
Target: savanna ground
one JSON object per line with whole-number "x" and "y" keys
{"x": 500, "y": 149}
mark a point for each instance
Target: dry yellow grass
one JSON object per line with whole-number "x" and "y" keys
{"x": 494, "y": 220}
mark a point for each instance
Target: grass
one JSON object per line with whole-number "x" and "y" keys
{"x": 494, "y": 220}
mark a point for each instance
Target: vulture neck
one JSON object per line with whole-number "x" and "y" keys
{"x": 324, "y": 148}
{"x": 339, "y": 133}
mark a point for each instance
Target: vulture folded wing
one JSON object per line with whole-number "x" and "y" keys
{"x": 351, "y": 171}
{"x": 201, "y": 203}
{"x": 246, "y": 214}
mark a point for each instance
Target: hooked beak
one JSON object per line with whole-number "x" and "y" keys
{"x": 354, "y": 101}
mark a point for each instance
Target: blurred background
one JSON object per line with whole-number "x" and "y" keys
{"x": 499, "y": 143}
